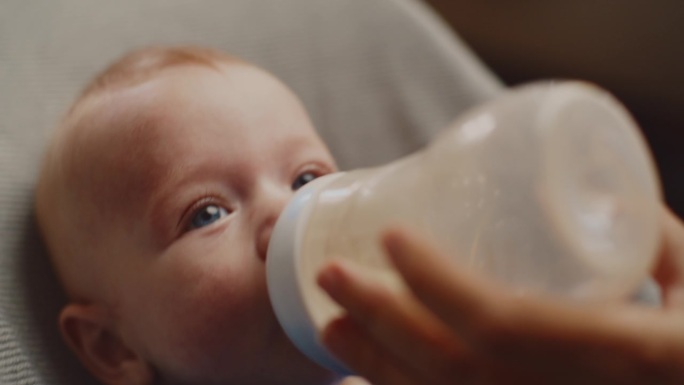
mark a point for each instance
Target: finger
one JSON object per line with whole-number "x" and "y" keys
{"x": 352, "y": 345}
{"x": 465, "y": 301}
{"x": 354, "y": 380}
{"x": 398, "y": 324}
{"x": 456, "y": 297}
{"x": 669, "y": 269}
{"x": 534, "y": 332}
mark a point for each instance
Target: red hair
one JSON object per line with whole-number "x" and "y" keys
{"x": 143, "y": 64}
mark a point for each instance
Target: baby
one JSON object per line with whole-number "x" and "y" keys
{"x": 157, "y": 199}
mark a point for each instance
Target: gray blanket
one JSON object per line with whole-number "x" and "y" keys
{"x": 380, "y": 78}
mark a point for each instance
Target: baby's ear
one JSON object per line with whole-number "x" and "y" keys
{"x": 89, "y": 332}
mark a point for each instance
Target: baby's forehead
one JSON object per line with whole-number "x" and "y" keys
{"x": 127, "y": 140}
{"x": 142, "y": 116}
{"x": 120, "y": 146}
{"x": 181, "y": 99}
{"x": 185, "y": 92}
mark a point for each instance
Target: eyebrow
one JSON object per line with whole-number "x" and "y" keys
{"x": 172, "y": 194}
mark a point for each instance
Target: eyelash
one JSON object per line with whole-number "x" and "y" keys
{"x": 316, "y": 173}
{"x": 185, "y": 223}
{"x": 317, "y": 169}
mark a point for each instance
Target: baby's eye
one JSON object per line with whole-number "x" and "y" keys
{"x": 303, "y": 179}
{"x": 207, "y": 215}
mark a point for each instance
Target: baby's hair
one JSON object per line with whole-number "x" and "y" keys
{"x": 54, "y": 194}
{"x": 143, "y": 64}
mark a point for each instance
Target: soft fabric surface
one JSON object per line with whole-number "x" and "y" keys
{"x": 379, "y": 77}
{"x": 15, "y": 368}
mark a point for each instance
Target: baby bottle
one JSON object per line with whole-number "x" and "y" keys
{"x": 550, "y": 187}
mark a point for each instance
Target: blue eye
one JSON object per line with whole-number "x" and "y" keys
{"x": 207, "y": 215}
{"x": 303, "y": 179}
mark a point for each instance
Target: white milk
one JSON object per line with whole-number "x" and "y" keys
{"x": 548, "y": 188}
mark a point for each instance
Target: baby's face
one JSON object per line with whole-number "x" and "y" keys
{"x": 189, "y": 172}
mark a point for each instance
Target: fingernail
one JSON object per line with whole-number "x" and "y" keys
{"x": 330, "y": 279}
{"x": 335, "y": 335}
{"x": 393, "y": 244}
{"x": 330, "y": 336}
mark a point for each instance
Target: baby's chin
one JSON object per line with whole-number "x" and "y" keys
{"x": 296, "y": 365}
{"x": 291, "y": 360}
{"x": 280, "y": 364}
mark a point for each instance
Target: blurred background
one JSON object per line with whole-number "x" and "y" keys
{"x": 633, "y": 48}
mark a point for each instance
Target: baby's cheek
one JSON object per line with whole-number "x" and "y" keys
{"x": 214, "y": 320}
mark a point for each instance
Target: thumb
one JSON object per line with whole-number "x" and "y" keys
{"x": 669, "y": 268}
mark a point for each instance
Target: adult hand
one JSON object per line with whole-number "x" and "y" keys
{"x": 352, "y": 380}
{"x": 453, "y": 327}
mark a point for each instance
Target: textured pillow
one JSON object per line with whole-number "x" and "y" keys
{"x": 15, "y": 368}
{"x": 379, "y": 77}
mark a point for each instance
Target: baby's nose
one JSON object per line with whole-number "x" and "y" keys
{"x": 262, "y": 243}
{"x": 270, "y": 211}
